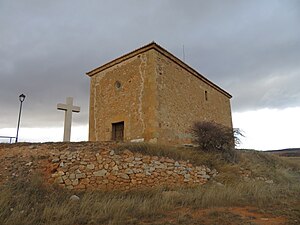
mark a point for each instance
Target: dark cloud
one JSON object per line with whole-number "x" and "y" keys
{"x": 250, "y": 48}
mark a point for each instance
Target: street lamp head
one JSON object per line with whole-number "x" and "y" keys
{"x": 22, "y": 97}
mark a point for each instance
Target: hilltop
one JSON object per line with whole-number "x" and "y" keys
{"x": 260, "y": 188}
{"x": 288, "y": 152}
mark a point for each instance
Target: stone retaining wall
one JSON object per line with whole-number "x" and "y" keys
{"x": 107, "y": 170}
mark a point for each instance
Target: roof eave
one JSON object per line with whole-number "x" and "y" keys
{"x": 163, "y": 51}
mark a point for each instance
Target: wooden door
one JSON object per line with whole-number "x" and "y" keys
{"x": 118, "y": 131}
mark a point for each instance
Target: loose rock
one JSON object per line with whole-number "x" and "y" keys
{"x": 74, "y": 198}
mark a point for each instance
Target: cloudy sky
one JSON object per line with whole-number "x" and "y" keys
{"x": 249, "y": 48}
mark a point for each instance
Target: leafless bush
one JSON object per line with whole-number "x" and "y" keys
{"x": 213, "y": 137}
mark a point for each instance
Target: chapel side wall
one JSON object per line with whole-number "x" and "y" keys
{"x": 135, "y": 102}
{"x": 92, "y": 136}
{"x": 182, "y": 102}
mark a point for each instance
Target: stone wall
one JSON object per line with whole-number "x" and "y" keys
{"x": 185, "y": 99}
{"x": 157, "y": 96}
{"x": 96, "y": 165}
{"x": 124, "y": 92}
{"x": 107, "y": 170}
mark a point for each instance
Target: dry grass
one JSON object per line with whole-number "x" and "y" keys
{"x": 270, "y": 166}
{"x": 292, "y": 161}
{"x": 194, "y": 155}
{"x": 31, "y": 202}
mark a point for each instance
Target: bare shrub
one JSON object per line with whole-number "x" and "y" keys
{"x": 213, "y": 137}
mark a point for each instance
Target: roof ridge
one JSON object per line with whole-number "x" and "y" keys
{"x": 154, "y": 45}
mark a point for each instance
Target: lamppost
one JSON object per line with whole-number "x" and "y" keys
{"x": 21, "y": 98}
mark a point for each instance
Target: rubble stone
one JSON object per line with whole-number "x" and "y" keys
{"x": 100, "y": 173}
{"x": 107, "y": 169}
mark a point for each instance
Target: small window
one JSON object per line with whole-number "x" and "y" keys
{"x": 205, "y": 93}
{"x": 118, "y": 85}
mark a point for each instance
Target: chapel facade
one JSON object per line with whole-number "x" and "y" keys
{"x": 149, "y": 95}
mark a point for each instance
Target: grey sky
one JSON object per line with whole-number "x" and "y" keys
{"x": 249, "y": 48}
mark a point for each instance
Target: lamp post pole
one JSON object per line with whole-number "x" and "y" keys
{"x": 21, "y": 98}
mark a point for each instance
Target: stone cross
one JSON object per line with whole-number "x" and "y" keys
{"x": 68, "y": 108}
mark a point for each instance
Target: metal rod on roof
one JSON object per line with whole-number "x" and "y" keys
{"x": 183, "y": 53}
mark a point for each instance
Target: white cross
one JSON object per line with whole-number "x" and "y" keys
{"x": 68, "y": 108}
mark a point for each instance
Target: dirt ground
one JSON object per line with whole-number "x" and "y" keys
{"x": 222, "y": 215}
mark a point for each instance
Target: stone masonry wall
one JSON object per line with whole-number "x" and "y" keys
{"x": 96, "y": 165}
{"x": 157, "y": 96}
{"x": 107, "y": 170}
{"x": 124, "y": 92}
{"x": 185, "y": 99}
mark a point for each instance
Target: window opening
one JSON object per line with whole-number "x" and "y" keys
{"x": 118, "y": 85}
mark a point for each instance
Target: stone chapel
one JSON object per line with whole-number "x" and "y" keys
{"x": 149, "y": 95}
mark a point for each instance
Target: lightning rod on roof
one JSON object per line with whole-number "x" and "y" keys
{"x": 183, "y": 53}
